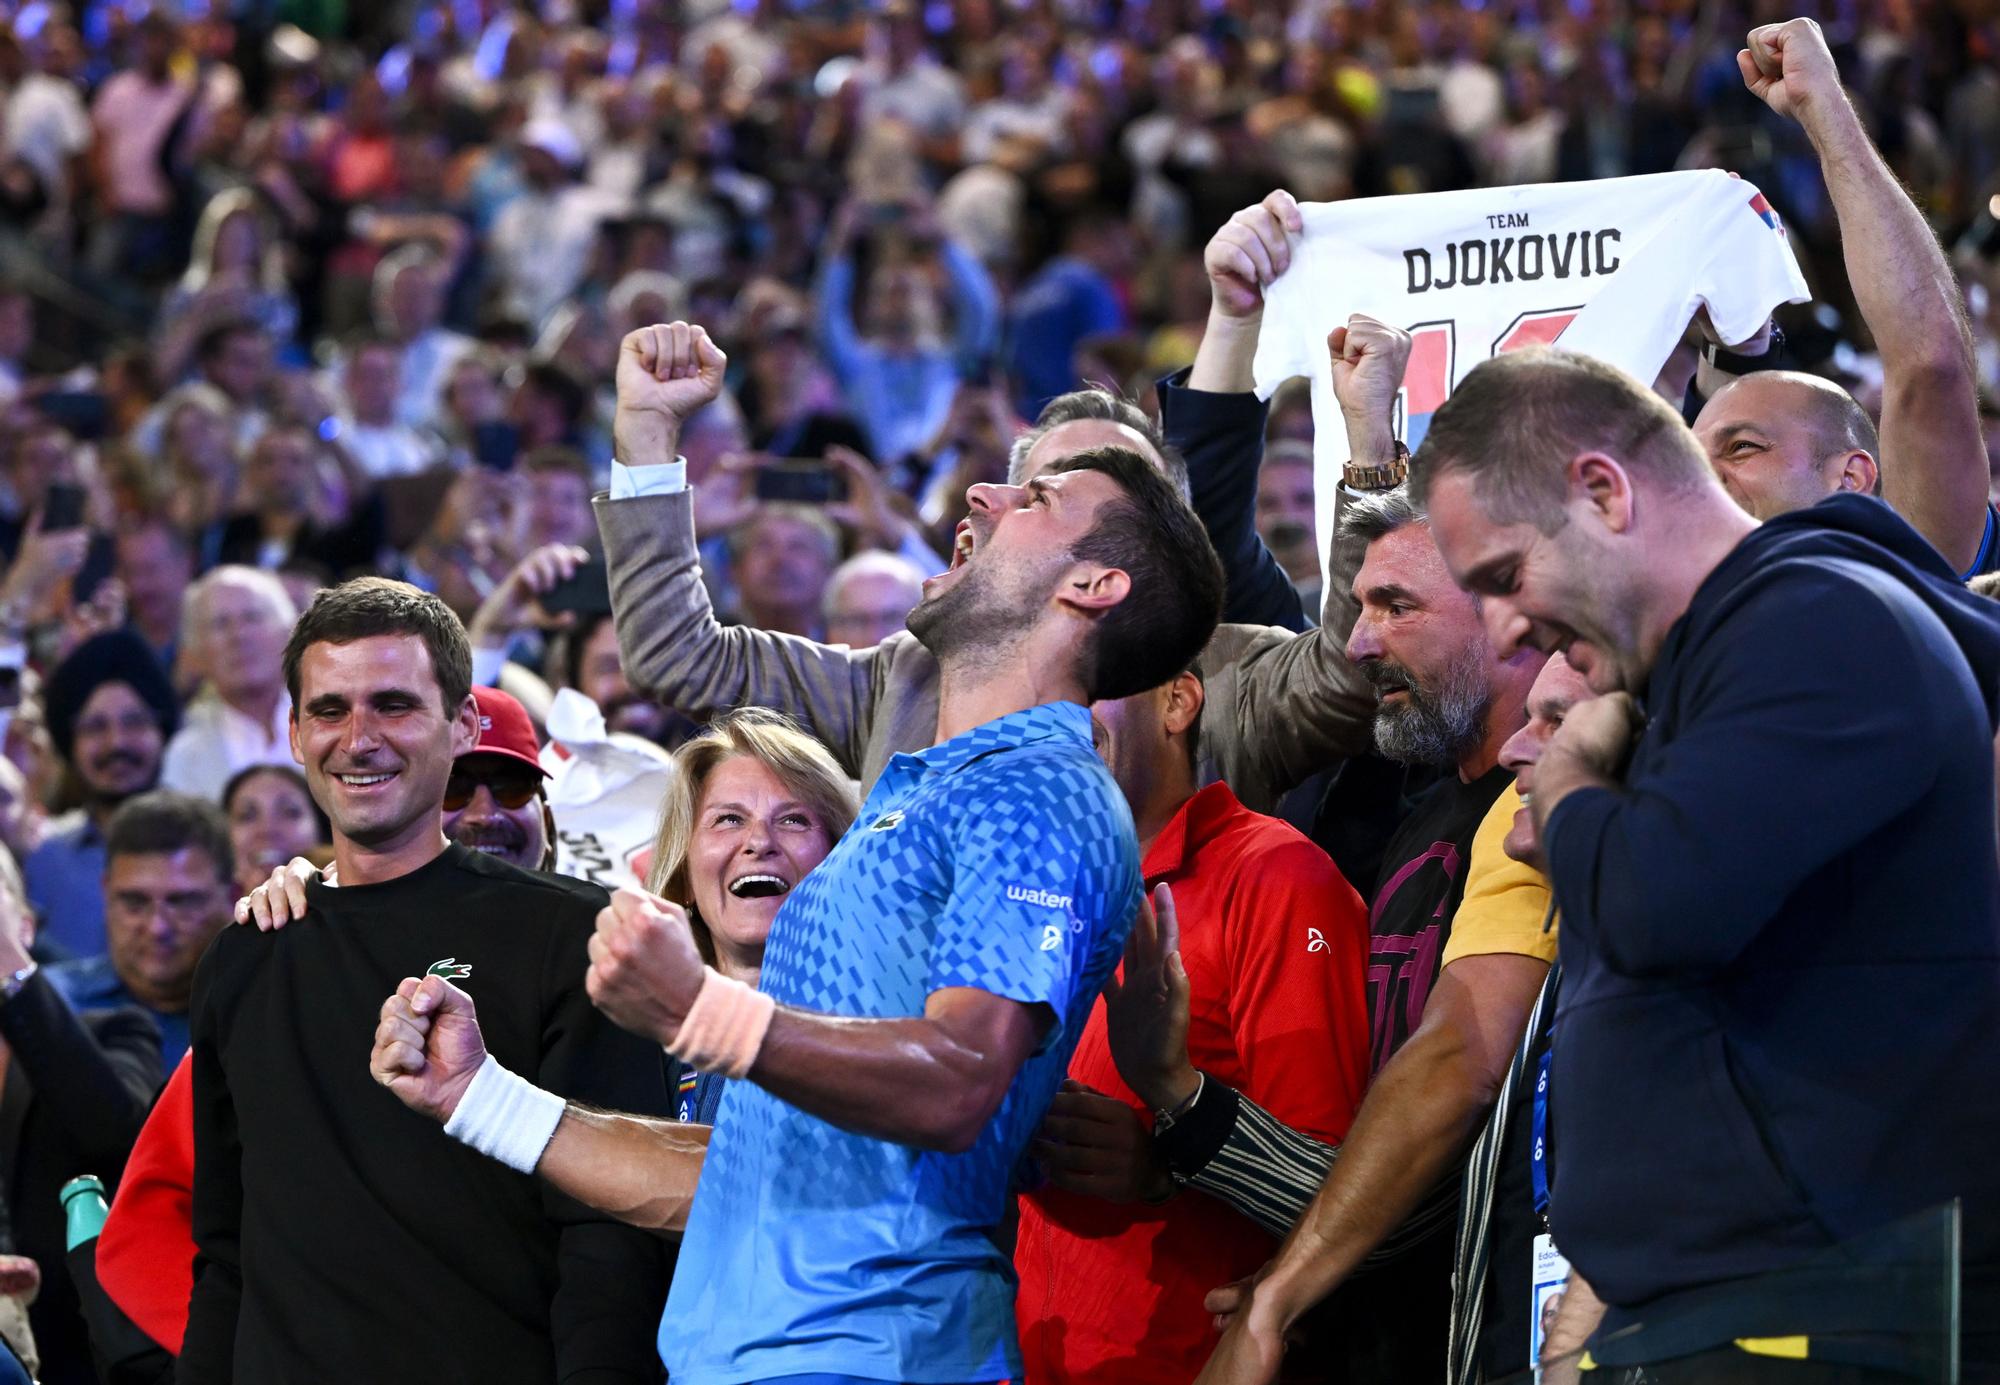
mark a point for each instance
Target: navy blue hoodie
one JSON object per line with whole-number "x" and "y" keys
{"x": 1780, "y": 1015}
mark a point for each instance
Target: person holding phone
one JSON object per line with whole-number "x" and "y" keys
{"x": 895, "y": 362}
{"x": 45, "y": 537}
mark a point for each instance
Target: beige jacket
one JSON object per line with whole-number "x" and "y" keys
{"x": 1280, "y": 706}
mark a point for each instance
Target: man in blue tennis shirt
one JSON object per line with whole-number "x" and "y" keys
{"x": 922, "y": 989}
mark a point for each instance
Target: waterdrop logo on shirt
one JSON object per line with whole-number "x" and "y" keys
{"x": 1046, "y": 899}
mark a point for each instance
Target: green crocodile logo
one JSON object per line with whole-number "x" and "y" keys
{"x": 451, "y": 969}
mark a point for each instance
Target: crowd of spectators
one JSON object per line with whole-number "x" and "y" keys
{"x": 295, "y": 293}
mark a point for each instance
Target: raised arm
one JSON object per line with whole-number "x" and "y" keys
{"x": 1281, "y": 709}
{"x": 975, "y": 303}
{"x": 1212, "y": 414}
{"x": 672, "y": 645}
{"x": 1933, "y": 462}
{"x": 835, "y": 318}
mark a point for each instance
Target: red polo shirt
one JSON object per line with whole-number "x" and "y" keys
{"x": 1275, "y": 943}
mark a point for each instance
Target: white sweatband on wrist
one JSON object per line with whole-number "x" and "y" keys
{"x": 506, "y": 1117}
{"x": 724, "y": 1027}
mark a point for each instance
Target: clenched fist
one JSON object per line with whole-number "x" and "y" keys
{"x": 1789, "y": 67}
{"x": 428, "y": 1047}
{"x": 1369, "y": 358}
{"x": 645, "y": 969}
{"x": 666, "y": 374}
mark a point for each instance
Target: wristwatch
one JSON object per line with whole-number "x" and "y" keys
{"x": 1378, "y": 478}
{"x": 11, "y": 987}
{"x": 1729, "y": 363}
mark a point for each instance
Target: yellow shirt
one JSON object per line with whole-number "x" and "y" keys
{"x": 1505, "y": 902}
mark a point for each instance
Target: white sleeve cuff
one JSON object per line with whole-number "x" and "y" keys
{"x": 631, "y": 482}
{"x": 506, "y": 1117}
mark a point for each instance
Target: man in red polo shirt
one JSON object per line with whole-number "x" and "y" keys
{"x": 1115, "y": 1252}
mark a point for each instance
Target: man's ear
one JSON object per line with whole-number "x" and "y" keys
{"x": 465, "y": 728}
{"x": 1602, "y": 488}
{"x": 1857, "y": 472}
{"x": 1185, "y": 697}
{"x": 1092, "y": 590}
{"x": 292, "y": 735}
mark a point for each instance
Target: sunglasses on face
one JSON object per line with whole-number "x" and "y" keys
{"x": 510, "y": 791}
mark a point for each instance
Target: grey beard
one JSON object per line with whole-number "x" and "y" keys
{"x": 1440, "y": 730}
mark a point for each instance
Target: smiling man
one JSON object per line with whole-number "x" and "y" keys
{"x": 111, "y": 711}
{"x": 493, "y": 802}
{"x": 1772, "y": 844}
{"x": 339, "y": 1236}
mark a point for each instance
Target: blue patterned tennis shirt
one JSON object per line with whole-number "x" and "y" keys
{"x": 1003, "y": 860}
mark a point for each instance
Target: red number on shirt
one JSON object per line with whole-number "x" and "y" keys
{"x": 1434, "y": 354}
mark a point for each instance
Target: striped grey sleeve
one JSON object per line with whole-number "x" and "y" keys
{"x": 1265, "y": 1169}
{"x": 1270, "y": 1173}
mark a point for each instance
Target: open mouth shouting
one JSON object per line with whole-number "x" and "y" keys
{"x": 964, "y": 545}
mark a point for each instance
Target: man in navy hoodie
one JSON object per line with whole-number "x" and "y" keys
{"x": 1772, "y": 843}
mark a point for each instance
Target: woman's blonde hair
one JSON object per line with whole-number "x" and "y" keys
{"x": 230, "y": 202}
{"x": 775, "y": 741}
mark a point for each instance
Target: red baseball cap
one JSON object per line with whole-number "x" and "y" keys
{"x": 504, "y": 729}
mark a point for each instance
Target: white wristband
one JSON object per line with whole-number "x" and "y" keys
{"x": 506, "y": 1117}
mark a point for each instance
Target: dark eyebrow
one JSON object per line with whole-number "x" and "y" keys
{"x": 1040, "y": 487}
{"x": 1391, "y": 591}
{"x": 1486, "y": 576}
{"x": 326, "y": 702}
{"x": 382, "y": 695}
{"x": 1551, "y": 708}
{"x": 1729, "y": 431}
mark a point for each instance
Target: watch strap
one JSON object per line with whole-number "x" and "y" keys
{"x": 1358, "y": 477}
{"x": 1728, "y": 362}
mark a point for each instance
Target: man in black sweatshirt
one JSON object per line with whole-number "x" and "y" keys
{"x": 339, "y": 1235}
{"x": 1772, "y": 845}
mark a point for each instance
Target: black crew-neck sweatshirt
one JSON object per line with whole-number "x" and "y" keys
{"x": 340, "y": 1235}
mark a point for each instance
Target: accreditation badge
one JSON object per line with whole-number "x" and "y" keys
{"x": 1551, "y": 1275}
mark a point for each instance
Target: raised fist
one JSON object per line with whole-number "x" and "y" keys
{"x": 1369, "y": 358}
{"x": 1789, "y": 67}
{"x": 666, "y": 374}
